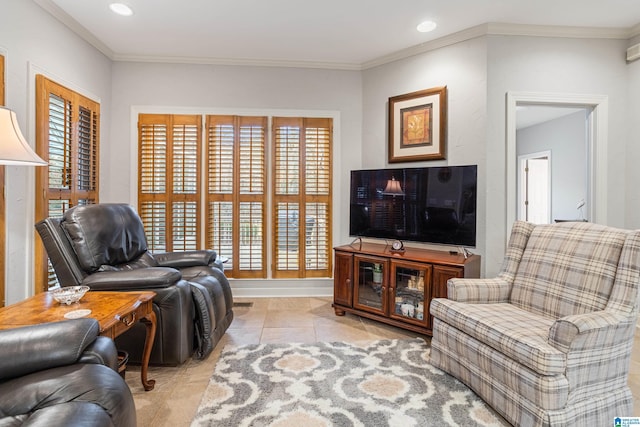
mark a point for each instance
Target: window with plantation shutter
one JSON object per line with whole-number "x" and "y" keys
{"x": 233, "y": 171}
{"x": 236, "y": 193}
{"x": 302, "y": 197}
{"x": 169, "y": 180}
{"x": 68, "y": 137}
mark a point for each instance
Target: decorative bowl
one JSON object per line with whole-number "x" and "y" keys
{"x": 69, "y": 294}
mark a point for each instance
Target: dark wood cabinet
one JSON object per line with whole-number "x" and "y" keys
{"x": 342, "y": 279}
{"x": 395, "y": 288}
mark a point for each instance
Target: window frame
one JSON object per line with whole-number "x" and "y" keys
{"x": 333, "y": 116}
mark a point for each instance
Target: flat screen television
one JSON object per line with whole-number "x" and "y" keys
{"x": 430, "y": 204}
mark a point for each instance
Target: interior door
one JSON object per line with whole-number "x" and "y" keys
{"x": 534, "y": 195}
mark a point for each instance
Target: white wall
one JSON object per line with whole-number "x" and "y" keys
{"x": 462, "y": 68}
{"x": 34, "y": 42}
{"x": 552, "y": 65}
{"x": 566, "y": 138}
{"x": 632, "y": 218}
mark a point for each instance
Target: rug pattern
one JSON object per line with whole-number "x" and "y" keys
{"x": 378, "y": 383}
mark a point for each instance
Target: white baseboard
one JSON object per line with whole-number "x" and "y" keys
{"x": 261, "y": 288}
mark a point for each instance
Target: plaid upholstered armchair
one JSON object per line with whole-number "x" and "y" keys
{"x": 548, "y": 341}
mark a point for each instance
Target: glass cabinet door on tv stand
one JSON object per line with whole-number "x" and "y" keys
{"x": 410, "y": 292}
{"x": 370, "y": 279}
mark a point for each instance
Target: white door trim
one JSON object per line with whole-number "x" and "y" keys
{"x": 597, "y": 134}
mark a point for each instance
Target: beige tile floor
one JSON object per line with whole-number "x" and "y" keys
{"x": 178, "y": 390}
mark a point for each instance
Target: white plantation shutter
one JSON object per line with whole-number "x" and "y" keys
{"x": 302, "y": 197}
{"x": 236, "y": 192}
{"x": 169, "y": 180}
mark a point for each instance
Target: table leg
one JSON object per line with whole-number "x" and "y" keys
{"x": 150, "y": 322}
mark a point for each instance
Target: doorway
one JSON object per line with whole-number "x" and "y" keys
{"x": 534, "y": 189}
{"x": 596, "y": 168}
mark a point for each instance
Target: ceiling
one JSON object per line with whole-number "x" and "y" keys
{"x": 339, "y": 34}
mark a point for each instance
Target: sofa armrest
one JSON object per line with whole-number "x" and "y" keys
{"x": 593, "y": 330}
{"x": 186, "y": 258}
{"x": 478, "y": 291}
{"x": 133, "y": 280}
{"x": 35, "y": 348}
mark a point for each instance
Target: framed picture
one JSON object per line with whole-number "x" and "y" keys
{"x": 418, "y": 125}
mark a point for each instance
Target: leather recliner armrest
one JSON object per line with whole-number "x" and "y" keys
{"x": 185, "y": 259}
{"x": 133, "y": 280}
{"x": 35, "y": 348}
{"x": 101, "y": 352}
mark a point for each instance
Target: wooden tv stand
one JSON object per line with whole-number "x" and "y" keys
{"x": 395, "y": 288}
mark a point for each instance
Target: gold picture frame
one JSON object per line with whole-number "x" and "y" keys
{"x": 418, "y": 125}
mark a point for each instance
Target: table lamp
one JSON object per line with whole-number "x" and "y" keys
{"x": 14, "y": 149}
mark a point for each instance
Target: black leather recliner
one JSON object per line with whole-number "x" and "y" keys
{"x": 62, "y": 374}
{"x": 104, "y": 247}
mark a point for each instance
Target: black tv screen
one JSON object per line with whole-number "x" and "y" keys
{"x": 431, "y": 204}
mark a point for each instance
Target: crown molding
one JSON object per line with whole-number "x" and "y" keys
{"x": 74, "y": 26}
{"x": 238, "y": 61}
{"x": 451, "y": 39}
{"x": 491, "y": 28}
{"x": 503, "y": 29}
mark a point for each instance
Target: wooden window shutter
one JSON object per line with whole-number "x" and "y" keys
{"x": 302, "y": 197}
{"x": 169, "y": 150}
{"x": 68, "y": 137}
{"x": 236, "y": 202}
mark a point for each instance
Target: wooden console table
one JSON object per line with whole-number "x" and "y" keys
{"x": 116, "y": 312}
{"x": 395, "y": 288}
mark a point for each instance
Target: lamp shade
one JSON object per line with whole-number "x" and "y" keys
{"x": 14, "y": 149}
{"x": 393, "y": 188}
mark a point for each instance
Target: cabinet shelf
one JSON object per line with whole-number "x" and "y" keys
{"x": 393, "y": 301}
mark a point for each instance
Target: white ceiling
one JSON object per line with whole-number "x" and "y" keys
{"x": 341, "y": 34}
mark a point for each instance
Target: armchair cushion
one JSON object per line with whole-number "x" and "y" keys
{"x": 520, "y": 335}
{"x": 112, "y": 235}
{"x": 577, "y": 270}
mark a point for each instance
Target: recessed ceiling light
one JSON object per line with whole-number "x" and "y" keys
{"x": 426, "y": 26}
{"x": 121, "y": 9}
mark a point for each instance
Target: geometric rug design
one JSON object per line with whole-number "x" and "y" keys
{"x": 375, "y": 383}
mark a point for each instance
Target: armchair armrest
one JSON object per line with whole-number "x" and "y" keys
{"x": 133, "y": 280}
{"x": 479, "y": 291}
{"x": 186, "y": 258}
{"x": 594, "y": 330}
{"x": 35, "y": 348}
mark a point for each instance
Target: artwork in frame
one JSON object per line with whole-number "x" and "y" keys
{"x": 418, "y": 125}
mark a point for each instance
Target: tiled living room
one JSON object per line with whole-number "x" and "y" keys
{"x": 337, "y": 213}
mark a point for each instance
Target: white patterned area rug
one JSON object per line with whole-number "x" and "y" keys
{"x": 377, "y": 383}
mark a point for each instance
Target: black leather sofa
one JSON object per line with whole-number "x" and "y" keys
{"x": 62, "y": 374}
{"x": 104, "y": 247}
